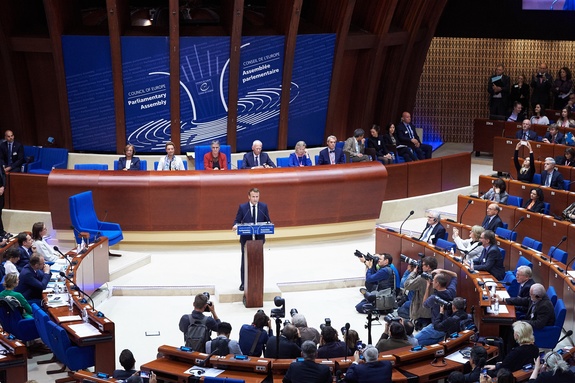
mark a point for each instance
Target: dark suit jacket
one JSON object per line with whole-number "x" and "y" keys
{"x": 324, "y": 157}
{"x": 24, "y": 258}
{"x": 134, "y": 165}
{"x": 374, "y": 372}
{"x": 520, "y": 117}
{"x": 491, "y": 262}
{"x": 244, "y": 215}
{"x": 249, "y": 161}
{"x": 307, "y": 372}
{"x": 494, "y": 224}
{"x": 559, "y": 138}
{"x": 32, "y": 282}
{"x": 437, "y": 232}
{"x": 288, "y": 349}
{"x": 17, "y": 155}
{"x": 403, "y": 134}
{"x": 522, "y": 300}
{"x": 531, "y": 134}
{"x": 537, "y": 208}
{"x": 556, "y": 179}
{"x": 540, "y": 314}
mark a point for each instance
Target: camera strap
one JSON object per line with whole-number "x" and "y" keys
{"x": 255, "y": 342}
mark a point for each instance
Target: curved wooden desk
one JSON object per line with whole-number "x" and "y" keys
{"x": 203, "y": 200}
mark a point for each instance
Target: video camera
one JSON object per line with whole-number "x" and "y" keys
{"x": 412, "y": 262}
{"x": 327, "y": 323}
{"x": 367, "y": 257}
{"x": 427, "y": 276}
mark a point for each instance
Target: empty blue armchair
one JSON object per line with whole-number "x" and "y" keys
{"x": 50, "y": 158}
{"x": 13, "y": 322}
{"x": 446, "y": 245}
{"x": 532, "y": 244}
{"x": 282, "y": 162}
{"x": 73, "y": 357}
{"x": 552, "y": 294}
{"x": 91, "y": 167}
{"x": 201, "y": 150}
{"x": 514, "y": 201}
{"x": 558, "y": 254}
{"x": 506, "y": 234}
{"x": 83, "y": 218}
{"x": 548, "y": 336}
{"x": 31, "y": 154}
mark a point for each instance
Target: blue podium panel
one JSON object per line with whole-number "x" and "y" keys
{"x": 255, "y": 229}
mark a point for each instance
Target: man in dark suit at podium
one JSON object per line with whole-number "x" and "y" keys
{"x": 252, "y": 211}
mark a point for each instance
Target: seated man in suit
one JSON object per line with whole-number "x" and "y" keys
{"x": 331, "y": 155}
{"x": 354, "y": 147}
{"x": 307, "y": 371}
{"x": 408, "y": 136}
{"x": 372, "y": 371}
{"x": 521, "y": 301}
{"x": 256, "y": 159}
{"x": 25, "y": 243}
{"x": 541, "y": 312}
{"x": 554, "y": 136}
{"x": 433, "y": 229}
{"x": 526, "y": 134}
{"x": 12, "y": 153}
{"x": 34, "y": 278}
{"x": 550, "y": 176}
{"x": 490, "y": 259}
{"x": 492, "y": 220}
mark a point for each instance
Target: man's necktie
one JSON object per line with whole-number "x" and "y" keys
{"x": 254, "y": 213}
{"x": 548, "y": 179}
{"x": 10, "y": 153}
{"x": 257, "y": 160}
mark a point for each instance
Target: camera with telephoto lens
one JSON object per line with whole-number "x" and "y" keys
{"x": 391, "y": 318}
{"x": 207, "y": 309}
{"x": 412, "y": 262}
{"x": 367, "y": 257}
{"x": 442, "y": 302}
{"x": 427, "y": 276}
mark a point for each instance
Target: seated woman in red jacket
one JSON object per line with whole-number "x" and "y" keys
{"x": 215, "y": 160}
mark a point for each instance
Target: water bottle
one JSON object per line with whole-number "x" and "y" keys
{"x": 495, "y": 307}
{"x": 85, "y": 315}
{"x": 83, "y": 244}
{"x": 70, "y": 303}
{"x": 451, "y": 253}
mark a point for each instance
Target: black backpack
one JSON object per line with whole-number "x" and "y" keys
{"x": 222, "y": 345}
{"x": 197, "y": 334}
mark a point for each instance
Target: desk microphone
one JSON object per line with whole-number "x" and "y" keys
{"x": 71, "y": 274}
{"x": 63, "y": 274}
{"x": 265, "y": 216}
{"x": 556, "y": 247}
{"x": 204, "y": 363}
{"x": 568, "y": 263}
{"x": 410, "y": 214}
{"x": 469, "y": 202}
{"x": 567, "y": 334}
{"x": 515, "y": 227}
{"x": 347, "y": 326}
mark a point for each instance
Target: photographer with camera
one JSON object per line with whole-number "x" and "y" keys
{"x": 197, "y": 327}
{"x": 416, "y": 282}
{"x": 451, "y": 324}
{"x": 393, "y": 335}
{"x": 253, "y": 337}
{"x": 305, "y": 332}
{"x": 440, "y": 292}
{"x": 377, "y": 277}
{"x": 288, "y": 348}
{"x": 329, "y": 344}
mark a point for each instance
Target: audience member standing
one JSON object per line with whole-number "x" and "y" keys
{"x": 12, "y": 153}
{"x": 562, "y": 88}
{"x": 541, "y": 83}
{"x": 498, "y": 87}
{"x": 520, "y": 93}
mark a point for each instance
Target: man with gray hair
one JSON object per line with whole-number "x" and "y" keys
{"x": 541, "y": 312}
{"x": 523, "y": 275}
{"x": 433, "y": 229}
{"x": 331, "y": 155}
{"x": 306, "y": 333}
{"x": 550, "y": 176}
{"x": 307, "y": 371}
{"x": 372, "y": 371}
{"x": 256, "y": 159}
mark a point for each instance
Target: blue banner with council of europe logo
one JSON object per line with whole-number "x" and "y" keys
{"x": 204, "y": 79}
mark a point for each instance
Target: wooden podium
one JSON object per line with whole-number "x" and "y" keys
{"x": 254, "y": 263}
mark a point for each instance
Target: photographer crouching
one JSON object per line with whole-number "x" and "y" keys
{"x": 378, "y": 275}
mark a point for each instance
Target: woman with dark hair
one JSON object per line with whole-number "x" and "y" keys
{"x": 39, "y": 231}
{"x": 564, "y": 121}
{"x": 129, "y": 162}
{"x": 253, "y": 337}
{"x": 538, "y": 117}
{"x": 562, "y": 87}
{"x": 497, "y": 193}
{"x": 526, "y": 171}
{"x": 477, "y": 359}
{"x": 376, "y": 142}
{"x": 520, "y": 92}
{"x": 535, "y": 202}
{"x": 568, "y": 159}
{"x": 402, "y": 150}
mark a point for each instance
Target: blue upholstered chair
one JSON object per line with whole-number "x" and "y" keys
{"x": 83, "y": 218}
{"x": 41, "y": 319}
{"x": 13, "y": 322}
{"x": 546, "y": 208}
{"x": 532, "y": 244}
{"x": 511, "y": 284}
{"x": 282, "y": 162}
{"x": 443, "y": 244}
{"x": 143, "y": 165}
{"x": 522, "y": 261}
{"x": 50, "y": 158}
{"x": 548, "y": 336}
{"x": 558, "y": 254}
{"x": 536, "y": 179}
{"x": 514, "y": 201}
{"x": 201, "y": 150}
{"x": 552, "y": 294}
{"x": 31, "y": 154}
{"x": 240, "y": 164}
{"x": 502, "y": 251}
{"x": 90, "y": 167}
{"x": 566, "y": 184}
{"x": 73, "y": 357}
{"x": 397, "y": 277}
{"x": 506, "y": 234}
{"x": 209, "y": 379}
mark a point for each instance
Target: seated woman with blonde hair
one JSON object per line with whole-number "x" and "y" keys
{"x": 299, "y": 157}
{"x": 10, "y": 282}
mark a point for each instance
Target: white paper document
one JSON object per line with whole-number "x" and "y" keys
{"x": 502, "y": 310}
{"x": 201, "y": 371}
{"x": 84, "y": 330}
{"x": 69, "y": 318}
